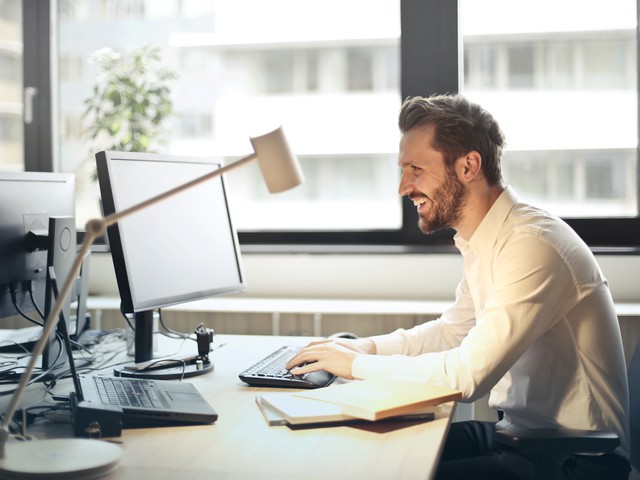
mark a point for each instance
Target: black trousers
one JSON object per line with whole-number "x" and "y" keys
{"x": 470, "y": 453}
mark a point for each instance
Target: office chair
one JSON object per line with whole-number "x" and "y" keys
{"x": 548, "y": 448}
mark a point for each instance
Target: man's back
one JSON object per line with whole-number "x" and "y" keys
{"x": 574, "y": 373}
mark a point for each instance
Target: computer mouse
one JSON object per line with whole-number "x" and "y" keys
{"x": 350, "y": 335}
{"x": 319, "y": 378}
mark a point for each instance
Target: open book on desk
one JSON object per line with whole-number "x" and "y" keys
{"x": 280, "y": 408}
{"x": 364, "y": 400}
{"x": 377, "y": 399}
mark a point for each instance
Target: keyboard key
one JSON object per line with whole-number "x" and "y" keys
{"x": 127, "y": 392}
{"x": 270, "y": 372}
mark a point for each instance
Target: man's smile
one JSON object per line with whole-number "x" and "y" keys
{"x": 419, "y": 201}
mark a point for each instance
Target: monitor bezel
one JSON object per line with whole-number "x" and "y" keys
{"x": 104, "y": 163}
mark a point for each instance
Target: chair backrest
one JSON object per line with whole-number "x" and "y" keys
{"x": 634, "y": 406}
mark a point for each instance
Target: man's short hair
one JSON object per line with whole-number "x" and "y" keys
{"x": 461, "y": 126}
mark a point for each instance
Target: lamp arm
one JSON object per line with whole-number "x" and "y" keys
{"x": 94, "y": 229}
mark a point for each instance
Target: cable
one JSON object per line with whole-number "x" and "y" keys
{"x": 67, "y": 372}
{"x": 14, "y": 301}
{"x": 33, "y": 301}
{"x": 170, "y": 332}
{"x": 167, "y": 361}
{"x": 35, "y": 379}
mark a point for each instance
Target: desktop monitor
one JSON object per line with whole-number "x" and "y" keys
{"x": 29, "y": 202}
{"x": 181, "y": 249}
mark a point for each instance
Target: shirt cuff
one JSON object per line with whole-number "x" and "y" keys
{"x": 388, "y": 344}
{"x": 367, "y": 366}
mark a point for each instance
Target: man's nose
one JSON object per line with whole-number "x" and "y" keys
{"x": 406, "y": 185}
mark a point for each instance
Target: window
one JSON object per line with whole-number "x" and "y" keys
{"x": 278, "y": 72}
{"x": 565, "y": 93}
{"x": 11, "y": 135}
{"x": 360, "y": 69}
{"x": 569, "y": 102}
{"x": 9, "y": 67}
{"x": 120, "y": 9}
{"x": 481, "y": 66}
{"x": 520, "y": 64}
{"x": 9, "y": 129}
{"x": 71, "y": 69}
{"x": 312, "y": 71}
{"x": 605, "y": 64}
{"x": 194, "y": 124}
{"x": 335, "y": 90}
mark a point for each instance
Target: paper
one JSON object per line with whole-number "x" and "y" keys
{"x": 297, "y": 410}
{"x": 377, "y": 399}
{"x": 284, "y": 408}
{"x": 270, "y": 416}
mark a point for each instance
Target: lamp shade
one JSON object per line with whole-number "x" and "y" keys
{"x": 279, "y": 165}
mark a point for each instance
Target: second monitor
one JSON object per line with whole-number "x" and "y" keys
{"x": 182, "y": 249}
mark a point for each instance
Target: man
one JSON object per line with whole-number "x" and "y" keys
{"x": 533, "y": 321}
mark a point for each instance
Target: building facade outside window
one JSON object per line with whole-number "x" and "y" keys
{"x": 566, "y": 94}
{"x": 563, "y": 86}
{"x": 11, "y": 108}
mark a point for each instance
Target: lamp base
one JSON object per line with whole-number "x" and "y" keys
{"x": 57, "y": 459}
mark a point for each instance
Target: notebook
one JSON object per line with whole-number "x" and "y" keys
{"x": 135, "y": 402}
{"x": 290, "y": 409}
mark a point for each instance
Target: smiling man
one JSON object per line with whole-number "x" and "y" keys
{"x": 533, "y": 323}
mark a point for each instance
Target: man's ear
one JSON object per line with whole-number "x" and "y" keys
{"x": 469, "y": 166}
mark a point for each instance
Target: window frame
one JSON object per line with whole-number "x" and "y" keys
{"x": 433, "y": 26}
{"x": 39, "y": 147}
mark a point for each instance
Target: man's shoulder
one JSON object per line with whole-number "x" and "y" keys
{"x": 528, "y": 225}
{"x": 524, "y": 218}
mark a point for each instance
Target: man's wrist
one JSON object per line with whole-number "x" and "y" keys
{"x": 367, "y": 346}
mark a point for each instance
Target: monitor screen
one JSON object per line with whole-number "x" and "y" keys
{"x": 181, "y": 249}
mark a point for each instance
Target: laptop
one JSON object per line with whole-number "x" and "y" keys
{"x": 109, "y": 402}
{"x": 144, "y": 403}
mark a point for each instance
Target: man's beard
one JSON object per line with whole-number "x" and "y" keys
{"x": 447, "y": 202}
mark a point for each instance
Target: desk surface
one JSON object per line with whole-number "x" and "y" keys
{"x": 240, "y": 445}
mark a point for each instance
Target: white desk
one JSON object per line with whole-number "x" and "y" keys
{"x": 240, "y": 445}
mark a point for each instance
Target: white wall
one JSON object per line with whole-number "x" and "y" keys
{"x": 367, "y": 276}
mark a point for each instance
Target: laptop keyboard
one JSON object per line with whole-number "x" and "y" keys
{"x": 271, "y": 372}
{"x": 127, "y": 392}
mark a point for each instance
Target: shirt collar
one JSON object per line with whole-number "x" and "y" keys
{"x": 487, "y": 232}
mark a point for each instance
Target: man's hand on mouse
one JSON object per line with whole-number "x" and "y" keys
{"x": 333, "y": 355}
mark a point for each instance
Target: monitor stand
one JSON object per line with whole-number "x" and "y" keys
{"x": 145, "y": 366}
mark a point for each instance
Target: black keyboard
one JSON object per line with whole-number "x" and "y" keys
{"x": 271, "y": 372}
{"x": 127, "y": 392}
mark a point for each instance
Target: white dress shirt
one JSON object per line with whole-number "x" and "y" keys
{"x": 533, "y": 323}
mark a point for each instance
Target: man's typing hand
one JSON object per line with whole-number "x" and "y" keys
{"x": 336, "y": 356}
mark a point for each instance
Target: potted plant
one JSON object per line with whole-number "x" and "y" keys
{"x": 127, "y": 111}
{"x": 131, "y": 99}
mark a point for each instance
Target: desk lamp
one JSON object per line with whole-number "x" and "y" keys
{"x": 85, "y": 458}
